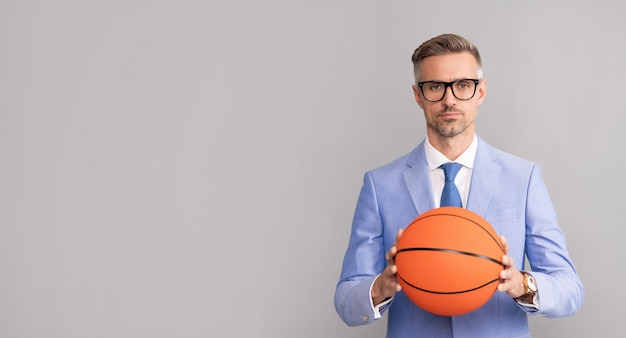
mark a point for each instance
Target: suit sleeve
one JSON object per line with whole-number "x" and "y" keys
{"x": 363, "y": 261}
{"x": 561, "y": 292}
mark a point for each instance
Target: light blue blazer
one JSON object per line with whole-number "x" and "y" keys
{"x": 510, "y": 194}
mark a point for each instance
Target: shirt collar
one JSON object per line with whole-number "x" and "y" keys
{"x": 435, "y": 159}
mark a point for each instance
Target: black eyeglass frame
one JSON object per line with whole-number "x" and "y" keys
{"x": 445, "y": 89}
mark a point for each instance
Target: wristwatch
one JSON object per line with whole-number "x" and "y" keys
{"x": 530, "y": 287}
{"x": 529, "y": 283}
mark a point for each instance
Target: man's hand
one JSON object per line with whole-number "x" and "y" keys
{"x": 511, "y": 279}
{"x": 386, "y": 285}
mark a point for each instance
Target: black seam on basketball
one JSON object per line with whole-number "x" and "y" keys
{"x": 452, "y": 251}
{"x": 480, "y": 226}
{"x": 449, "y": 292}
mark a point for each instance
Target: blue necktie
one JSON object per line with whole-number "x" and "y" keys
{"x": 450, "y": 195}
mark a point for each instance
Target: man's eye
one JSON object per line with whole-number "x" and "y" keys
{"x": 463, "y": 84}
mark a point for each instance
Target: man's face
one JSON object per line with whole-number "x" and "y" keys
{"x": 450, "y": 116}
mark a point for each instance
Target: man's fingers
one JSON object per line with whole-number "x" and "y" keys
{"x": 391, "y": 281}
{"x": 391, "y": 255}
{"x": 505, "y": 244}
{"x": 398, "y": 235}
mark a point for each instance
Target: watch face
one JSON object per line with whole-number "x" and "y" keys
{"x": 531, "y": 283}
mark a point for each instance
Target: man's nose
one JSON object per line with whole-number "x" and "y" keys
{"x": 448, "y": 96}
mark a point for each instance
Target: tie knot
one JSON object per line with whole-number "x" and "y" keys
{"x": 451, "y": 169}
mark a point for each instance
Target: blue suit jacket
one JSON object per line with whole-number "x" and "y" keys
{"x": 510, "y": 194}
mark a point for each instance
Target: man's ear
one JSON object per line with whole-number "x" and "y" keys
{"x": 418, "y": 97}
{"x": 482, "y": 91}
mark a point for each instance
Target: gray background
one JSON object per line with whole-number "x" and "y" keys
{"x": 189, "y": 168}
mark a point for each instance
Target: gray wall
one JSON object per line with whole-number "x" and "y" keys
{"x": 181, "y": 168}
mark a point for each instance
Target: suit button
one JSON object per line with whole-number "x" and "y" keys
{"x": 365, "y": 318}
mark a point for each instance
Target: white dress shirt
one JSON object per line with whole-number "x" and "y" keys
{"x": 435, "y": 159}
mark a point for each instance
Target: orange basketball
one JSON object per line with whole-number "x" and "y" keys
{"x": 449, "y": 261}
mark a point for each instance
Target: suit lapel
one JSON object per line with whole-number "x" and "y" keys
{"x": 417, "y": 180}
{"x": 484, "y": 177}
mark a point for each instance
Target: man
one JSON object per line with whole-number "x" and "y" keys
{"x": 505, "y": 190}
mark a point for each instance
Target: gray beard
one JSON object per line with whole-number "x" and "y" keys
{"x": 445, "y": 130}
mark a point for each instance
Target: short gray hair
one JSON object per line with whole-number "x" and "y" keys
{"x": 442, "y": 45}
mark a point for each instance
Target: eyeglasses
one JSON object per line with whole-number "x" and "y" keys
{"x": 434, "y": 91}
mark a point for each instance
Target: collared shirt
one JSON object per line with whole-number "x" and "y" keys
{"x": 435, "y": 159}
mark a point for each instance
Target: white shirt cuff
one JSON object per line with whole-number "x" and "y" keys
{"x": 530, "y": 307}
{"x": 380, "y": 308}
